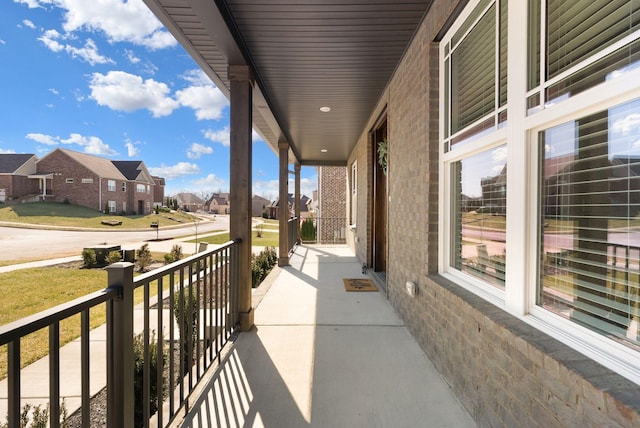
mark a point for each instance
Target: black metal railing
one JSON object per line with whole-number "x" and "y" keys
{"x": 189, "y": 306}
{"x": 292, "y": 233}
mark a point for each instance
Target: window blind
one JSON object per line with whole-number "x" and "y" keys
{"x": 590, "y": 253}
{"x": 473, "y": 72}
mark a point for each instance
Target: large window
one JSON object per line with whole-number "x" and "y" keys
{"x": 556, "y": 240}
{"x": 111, "y": 185}
{"x": 590, "y": 216}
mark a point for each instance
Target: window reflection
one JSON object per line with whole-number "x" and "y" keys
{"x": 480, "y": 190}
{"x": 590, "y": 233}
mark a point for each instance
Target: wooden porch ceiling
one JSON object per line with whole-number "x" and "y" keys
{"x": 305, "y": 54}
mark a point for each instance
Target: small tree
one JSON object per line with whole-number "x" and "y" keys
{"x": 176, "y": 252}
{"x": 143, "y": 257}
{"x": 308, "y": 230}
{"x": 114, "y": 257}
{"x": 138, "y": 376}
{"x": 88, "y": 257}
{"x": 185, "y": 312}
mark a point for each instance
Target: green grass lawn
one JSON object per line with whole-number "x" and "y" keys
{"x": 268, "y": 239}
{"x": 59, "y": 214}
{"x": 26, "y": 292}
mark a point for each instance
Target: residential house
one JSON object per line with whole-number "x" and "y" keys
{"x": 158, "y": 191}
{"x": 16, "y": 171}
{"x": 303, "y": 203}
{"x": 96, "y": 182}
{"x": 189, "y": 202}
{"x": 218, "y": 203}
{"x": 259, "y": 206}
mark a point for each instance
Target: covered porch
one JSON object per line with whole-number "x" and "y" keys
{"x": 321, "y": 356}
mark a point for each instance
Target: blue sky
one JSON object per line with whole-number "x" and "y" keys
{"x": 105, "y": 78}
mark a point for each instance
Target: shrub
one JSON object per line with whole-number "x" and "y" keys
{"x": 114, "y": 257}
{"x": 185, "y": 312}
{"x": 39, "y": 416}
{"x": 259, "y": 230}
{"x": 262, "y": 264}
{"x": 138, "y": 376}
{"x": 168, "y": 259}
{"x": 66, "y": 201}
{"x": 176, "y": 252}
{"x": 88, "y": 257}
{"x": 308, "y": 230}
{"x": 143, "y": 257}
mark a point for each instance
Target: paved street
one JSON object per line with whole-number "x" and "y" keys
{"x": 28, "y": 244}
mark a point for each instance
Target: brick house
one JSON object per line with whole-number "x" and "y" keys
{"x": 259, "y": 205}
{"x": 16, "y": 176}
{"x": 218, "y": 203}
{"x": 98, "y": 183}
{"x": 158, "y": 191}
{"x": 189, "y": 201}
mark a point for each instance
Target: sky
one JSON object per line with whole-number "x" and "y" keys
{"x": 106, "y": 78}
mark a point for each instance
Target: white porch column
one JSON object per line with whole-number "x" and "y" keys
{"x": 296, "y": 170}
{"x": 283, "y": 204}
{"x": 240, "y": 185}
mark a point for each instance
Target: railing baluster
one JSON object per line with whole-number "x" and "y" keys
{"x": 84, "y": 367}
{"x": 146, "y": 367}
{"x": 13, "y": 373}
{"x": 172, "y": 339}
{"x": 159, "y": 353}
{"x": 54, "y": 374}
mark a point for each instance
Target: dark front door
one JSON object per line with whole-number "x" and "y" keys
{"x": 140, "y": 207}
{"x": 379, "y": 236}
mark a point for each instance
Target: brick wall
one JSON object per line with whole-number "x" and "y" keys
{"x": 332, "y": 185}
{"x": 504, "y": 371}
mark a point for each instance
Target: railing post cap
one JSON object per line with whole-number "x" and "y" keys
{"x": 119, "y": 265}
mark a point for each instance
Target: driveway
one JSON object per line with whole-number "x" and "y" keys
{"x": 21, "y": 243}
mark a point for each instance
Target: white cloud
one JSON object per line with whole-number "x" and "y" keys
{"x": 2, "y": 42}
{"x": 207, "y": 101}
{"x": 131, "y": 56}
{"x": 172, "y": 172}
{"x": 88, "y": 53}
{"x": 626, "y": 125}
{"x": 499, "y": 154}
{"x": 120, "y": 21}
{"x": 28, "y": 23}
{"x": 122, "y": 91}
{"x": 93, "y": 145}
{"x": 44, "y": 139}
{"x": 197, "y": 77}
{"x": 222, "y": 136}
{"x": 197, "y": 150}
{"x": 49, "y": 38}
{"x": 31, "y": 4}
{"x": 132, "y": 150}
{"x": 7, "y": 151}
{"x": 211, "y": 181}
{"x": 54, "y": 91}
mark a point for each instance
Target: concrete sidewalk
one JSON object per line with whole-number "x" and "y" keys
{"x": 322, "y": 357}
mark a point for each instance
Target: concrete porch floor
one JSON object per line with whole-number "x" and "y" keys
{"x": 323, "y": 357}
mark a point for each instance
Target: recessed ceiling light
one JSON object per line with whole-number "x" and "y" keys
{"x": 325, "y": 109}
{"x": 324, "y": 150}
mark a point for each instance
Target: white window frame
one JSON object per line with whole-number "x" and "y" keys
{"x": 124, "y": 186}
{"x": 140, "y": 188}
{"x": 112, "y": 206}
{"x": 69, "y": 181}
{"x": 521, "y": 134}
{"x": 111, "y": 185}
{"x": 87, "y": 181}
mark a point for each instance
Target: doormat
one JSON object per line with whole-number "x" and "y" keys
{"x": 359, "y": 284}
